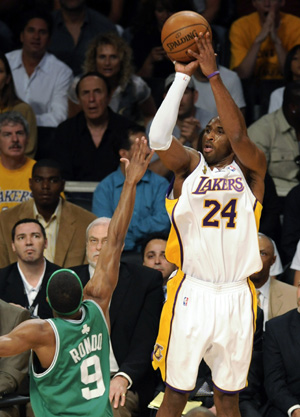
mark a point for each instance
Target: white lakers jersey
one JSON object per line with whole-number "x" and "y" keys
{"x": 214, "y": 225}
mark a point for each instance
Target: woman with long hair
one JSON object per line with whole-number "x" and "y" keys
{"x": 291, "y": 72}
{"x": 10, "y": 101}
{"x": 111, "y": 56}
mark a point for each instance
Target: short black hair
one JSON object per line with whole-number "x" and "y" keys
{"x": 93, "y": 74}
{"x": 287, "y": 71}
{"x": 36, "y": 13}
{"x": 125, "y": 142}
{"x": 64, "y": 292}
{"x": 48, "y": 163}
{"x": 157, "y": 235}
{"x": 27, "y": 220}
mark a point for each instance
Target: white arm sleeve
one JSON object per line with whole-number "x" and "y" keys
{"x": 160, "y": 135}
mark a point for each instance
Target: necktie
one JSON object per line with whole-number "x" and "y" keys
{"x": 258, "y": 299}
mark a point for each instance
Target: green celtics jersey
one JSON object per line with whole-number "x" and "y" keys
{"x": 77, "y": 381}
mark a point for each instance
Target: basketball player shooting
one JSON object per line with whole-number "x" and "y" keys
{"x": 214, "y": 205}
{"x": 70, "y": 373}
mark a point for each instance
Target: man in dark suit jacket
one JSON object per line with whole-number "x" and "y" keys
{"x": 134, "y": 314}
{"x": 282, "y": 363}
{"x": 24, "y": 282}
{"x": 15, "y": 368}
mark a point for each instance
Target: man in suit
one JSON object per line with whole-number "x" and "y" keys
{"x": 64, "y": 222}
{"x": 134, "y": 315}
{"x": 274, "y": 297}
{"x": 13, "y": 369}
{"x": 24, "y": 282}
{"x": 282, "y": 363}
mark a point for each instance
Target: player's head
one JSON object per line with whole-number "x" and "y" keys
{"x": 216, "y": 147}
{"x": 64, "y": 292}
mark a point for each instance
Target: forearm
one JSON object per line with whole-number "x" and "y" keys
{"x": 246, "y": 68}
{"x": 120, "y": 221}
{"x": 231, "y": 118}
{"x": 160, "y": 134}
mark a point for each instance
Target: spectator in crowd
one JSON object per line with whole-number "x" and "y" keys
{"x": 149, "y": 214}
{"x": 270, "y": 223}
{"x": 260, "y": 41}
{"x": 111, "y": 56}
{"x": 12, "y": 370}
{"x": 295, "y": 265}
{"x": 153, "y": 255}
{"x": 290, "y": 225}
{"x": 6, "y": 37}
{"x": 75, "y": 25}
{"x": 282, "y": 363}
{"x": 9, "y": 101}
{"x": 150, "y": 59}
{"x": 149, "y": 56}
{"x": 15, "y": 166}
{"x": 134, "y": 316}
{"x": 70, "y": 363}
{"x": 244, "y": 7}
{"x": 191, "y": 121}
{"x": 40, "y": 78}
{"x": 64, "y": 222}
{"x": 276, "y": 134}
{"x": 291, "y": 73}
{"x": 231, "y": 81}
{"x": 87, "y": 145}
{"x": 24, "y": 282}
{"x": 274, "y": 297}
{"x": 192, "y": 116}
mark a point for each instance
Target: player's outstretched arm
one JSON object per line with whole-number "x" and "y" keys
{"x": 173, "y": 154}
{"x": 34, "y": 334}
{"x": 231, "y": 118}
{"x": 104, "y": 280}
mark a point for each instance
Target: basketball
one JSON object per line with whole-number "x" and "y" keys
{"x": 178, "y": 32}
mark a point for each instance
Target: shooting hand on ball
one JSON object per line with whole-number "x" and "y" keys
{"x": 206, "y": 57}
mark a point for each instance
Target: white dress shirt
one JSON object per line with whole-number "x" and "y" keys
{"x": 46, "y": 90}
{"x": 264, "y": 299}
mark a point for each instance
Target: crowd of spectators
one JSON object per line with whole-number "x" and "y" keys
{"x": 79, "y": 81}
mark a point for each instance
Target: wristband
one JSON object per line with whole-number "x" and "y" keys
{"x": 213, "y": 74}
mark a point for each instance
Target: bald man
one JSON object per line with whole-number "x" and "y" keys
{"x": 275, "y": 297}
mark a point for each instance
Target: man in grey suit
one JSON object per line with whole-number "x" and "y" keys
{"x": 65, "y": 223}
{"x": 274, "y": 297}
{"x": 13, "y": 369}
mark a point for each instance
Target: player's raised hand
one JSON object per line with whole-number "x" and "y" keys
{"x": 137, "y": 166}
{"x": 206, "y": 56}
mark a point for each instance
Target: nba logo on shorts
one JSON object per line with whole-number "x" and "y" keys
{"x": 185, "y": 301}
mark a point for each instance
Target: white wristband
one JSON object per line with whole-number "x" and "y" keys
{"x": 291, "y": 409}
{"x": 160, "y": 135}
